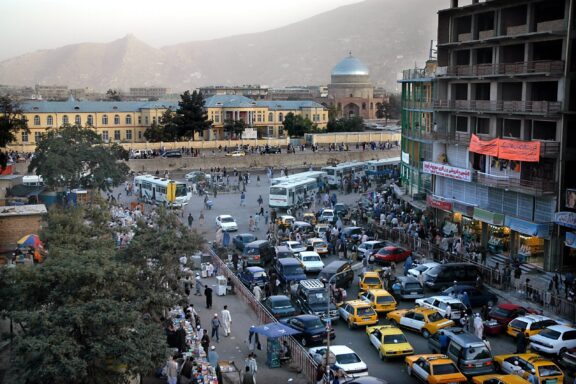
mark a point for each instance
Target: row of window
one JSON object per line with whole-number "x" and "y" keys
{"x": 104, "y": 134}
{"x": 90, "y": 120}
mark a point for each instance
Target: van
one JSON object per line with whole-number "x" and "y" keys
{"x": 444, "y": 275}
{"x": 258, "y": 252}
{"x": 468, "y": 351}
{"x": 289, "y": 270}
{"x": 344, "y": 280}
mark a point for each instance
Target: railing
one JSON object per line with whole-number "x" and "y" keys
{"x": 411, "y": 104}
{"x": 300, "y": 359}
{"x": 532, "y": 187}
{"x": 546, "y": 108}
{"x": 414, "y": 73}
{"x": 550, "y": 67}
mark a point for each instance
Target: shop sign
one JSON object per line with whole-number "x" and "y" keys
{"x": 570, "y": 239}
{"x": 465, "y": 209}
{"x": 405, "y": 157}
{"x": 527, "y": 227}
{"x": 447, "y": 171}
{"x": 566, "y": 219}
{"x": 435, "y": 202}
{"x": 249, "y": 133}
{"x": 488, "y": 217}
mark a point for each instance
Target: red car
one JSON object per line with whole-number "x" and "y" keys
{"x": 390, "y": 254}
{"x": 506, "y": 312}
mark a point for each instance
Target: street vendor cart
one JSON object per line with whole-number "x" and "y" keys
{"x": 228, "y": 373}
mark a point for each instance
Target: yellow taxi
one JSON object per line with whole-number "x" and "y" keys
{"x": 434, "y": 369}
{"x": 499, "y": 379}
{"x": 424, "y": 320}
{"x": 319, "y": 245}
{"x": 321, "y": 228}
{"x": 357, "y": 313}
{"x": 389, "y": 341}
{"x": 370, "y": 280}
{"x": 530, "y": 324}
{"x": 285, "y": 221}
{"x": 309, "y": 217}
{"x": 522, "y": 364}
{"x": 380, "y": 299}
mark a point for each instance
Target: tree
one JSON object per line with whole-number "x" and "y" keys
{"x": 353, "y": 124}
{"x": 392, "y": 107}
{"x": 234, "y": 127}
{"x": 80, "y": 313}
{"x": 12, "y": 121}
{"x": 76, "y": 157}
{"x": 113, "y": 95}
{"x": 191, "y": 116}
{"x": 296, "y": 125}
{"x": 165, "y": 130}
{"x": 380, "y": 110}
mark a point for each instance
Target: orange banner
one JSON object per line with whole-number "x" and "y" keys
{"x": 519, "y": 150}
{"x": 489, "y": 148}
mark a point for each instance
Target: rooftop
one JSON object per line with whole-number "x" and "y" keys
{"x": 350, "y": 66}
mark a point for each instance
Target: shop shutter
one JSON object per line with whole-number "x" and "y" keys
{"x": 495, "y": 199}
{"x": 544, "y": 210}
{"x": 510, "y": 203}
{"x": 525, "y": 207}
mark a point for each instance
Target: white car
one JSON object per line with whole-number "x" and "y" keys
{"x": 440, "y": 303}
{"x": 342, "y": 357}
{"x": 555, "y": 339}
{"x": 295, "y": 246}
{"x": 327, "y": 216}
{"x": 311, "y": 261}
{"x": 194, "y": 175}
{"x": 369, "y": 248}
{"x": 227, "y": 223}
{"x": 421, "y": 269}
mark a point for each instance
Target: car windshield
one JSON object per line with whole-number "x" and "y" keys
{"x": 311, "y": 258}
{"x": 501, "y": 312}
{"x": 394, "y": 339}
{"x": 478, "y": 352}
{"x": 444, "y": 369}
{"x": 550, "y": 334}
{"x": 371, "y": 280}
{"x": 457, "y": 307}
{"x": 347, "y": 358}
{"x": 293, "y": 269}
{"x": 384, "y": 299}
{"x": 251, "y": 251}
{"x": 412, "y": 287}
{"x": 366, "y": 311}
{"x": 259, "y": 275}
{"x": 277, "y": 191}
{"x": 435, "y": 316}
{"x": 549, "y": 370}
{"x": 317, "y": 298}
{"x": 314, "y": 323}
{"x": 181, "y": 190}
{"x": 226, "y": 220}
{"x": 282, "y": 303}
{"x": 320, "y": 244}
{"x": 421, "y": 268}
{"x": 519, "y": 324}
{"x": 296, "y": 245}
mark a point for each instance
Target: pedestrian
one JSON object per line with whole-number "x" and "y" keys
{"x": 186, "y": 372}
{"x": 201, "y": 218}
{"x": 208, "y": 294}
{"x": 448, "y": 314}
{"x": 205, "y": 341}
{"x": 190, "y": 220}
{"x": 443, "y": 339}
{"x": 257, "y": 222}
{"x": 257, "y": 293}
{"x": 226, "y": 320}
{"x": 260, "y": 200}
{"x": 478, "y": 326}
{"x": 242, "y": 199}
{"x": 216, "y": 328}
{"x": 408, "y": 263}
{"x": 521, "y": 343}
{"x": 251, "y": 224}
{"x": 266, "y": 216}
{"x": 487, "y": 343}
{"x": 198, "y": 283}
{"x": 466, "y": 300}
{"x": 248, "y": 377}
{"x": 213, "y": 356}
{"x": 252, "y": 365}
{"x": 171, "y": 371}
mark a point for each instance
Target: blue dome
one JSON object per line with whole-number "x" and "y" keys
{"x": 350, "y": 66}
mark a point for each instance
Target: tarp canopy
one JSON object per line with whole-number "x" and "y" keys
{"x": 274, "y": 330}
{"x": 21, "y": 190}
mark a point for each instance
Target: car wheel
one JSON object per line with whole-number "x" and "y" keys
{"x": 350, "y": 324}
{"x": 425, "y": 333}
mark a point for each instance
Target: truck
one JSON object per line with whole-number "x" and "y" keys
{"x": 310, "y": 296}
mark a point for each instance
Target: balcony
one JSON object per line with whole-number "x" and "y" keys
{"x": 544, "y": 67}
{"x": 543, "y": 108}
{"x": 412, "y": 104}
{"x": 529, "y": 187}
{"x": 417, "y": 74}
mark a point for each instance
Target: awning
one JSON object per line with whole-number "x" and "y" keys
{"x": 528, "y": 228}
{"x": 22, "y": 190}
{"x": 488, "y": 217}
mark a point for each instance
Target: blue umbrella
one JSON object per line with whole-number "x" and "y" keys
{"x": 273, "y": 330}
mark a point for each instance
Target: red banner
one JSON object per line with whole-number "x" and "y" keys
{"x": 489, "y": 148}
{"x": 437, "y": 203}
{"x": 519, "y": 150}
{"x": 507, "y": 149}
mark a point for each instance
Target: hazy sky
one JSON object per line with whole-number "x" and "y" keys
{"x": 29, "y": 25}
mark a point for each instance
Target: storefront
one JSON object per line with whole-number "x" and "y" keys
{"x": 567, "y": 225}
{"x": 495, "y": 236}
{"x": 469, "y": 228}
{"x": 444, "y": 215}
{"x": 528, "y": 240}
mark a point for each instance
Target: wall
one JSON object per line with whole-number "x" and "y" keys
{"x": 15, "y": 227}
{"x": 355, "y": 137}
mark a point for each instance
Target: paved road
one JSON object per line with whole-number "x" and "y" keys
{"x": 394, "y": 370}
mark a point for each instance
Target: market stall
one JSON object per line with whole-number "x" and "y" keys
{"x": 273, "y": 332}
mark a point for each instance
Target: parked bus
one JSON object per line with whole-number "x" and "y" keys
{"x": 292, "y": 193}
{"x": 319, "y": 176}
{"x": 383, "y": 167}
{"x": 336, "y": 173}
{"x": 154, "y": 190}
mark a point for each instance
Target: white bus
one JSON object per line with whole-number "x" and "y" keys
{"x": 287, "y": 195}
{"x": 153, "y": 190}
{"x": 319, "y": 176}
{"x": 351, "y": 169}
{"x": 382, "y": 168}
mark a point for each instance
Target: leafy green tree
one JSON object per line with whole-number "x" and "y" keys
{"x": 234, "y": 127}
{"x": 76, "y": 157}
{"x": 165, "y": 130}
{"x": 191, "y": 116}
{"x": 12, "y": 121}
{"x": 380, "y": 110}
{"x": 113, "y": 95}
{"x": 353, "y": 124}
{"x": 296, "y": 125}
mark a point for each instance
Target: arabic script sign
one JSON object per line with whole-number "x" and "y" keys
{"x": 447, "y": 171}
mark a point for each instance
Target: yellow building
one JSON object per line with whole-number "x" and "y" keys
{"x": 126, "y": 121}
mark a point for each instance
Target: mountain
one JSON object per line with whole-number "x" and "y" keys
{"x": 387, "y": 35}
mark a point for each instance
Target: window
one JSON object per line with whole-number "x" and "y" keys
{"x": 139, "y": 135}
{"x": 77, "y": 120}
{"x": 483, "y": 126}
{"x": 280, "y": 117}
{"x": 363, "y": 105}
{"x": 154, "y": 120}
{"x": 90, "y": 120}
{"x": 65, "y": 120}
{"x": 104, "y": 122}
{"x": 145, "y": 120}
{"x": 24, "y": 137}
{"x": 116, "y": 119}
{"x": 50, "y": 120}
{"x": 37, "y": 137}
{"x": 105, "y": 136}
{"x": 139, "y": 120}
{"x": 36, "y": 120}
{"x": 116, "y": 135}
{"x": 129, "y": 134}
{"x": 128, "y": 119}
{"x": 512, "y": 128}
{"x": 461, "y": 124}
{"x": 270, "y": 116}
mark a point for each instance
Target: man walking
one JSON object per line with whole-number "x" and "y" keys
{"x": 172, "y": 371}
{"x": 208, "y": 294}
{"x": 226, "y": 320}
{"x": 216, "y": 328}
{"x": 190, "y": 220}
{"x": 242, "y": 199}
{"x": 198, "y": 284}
{"x": 205, "y": 341}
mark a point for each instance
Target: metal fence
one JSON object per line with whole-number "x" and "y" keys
{"x": 301, "y": 359}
